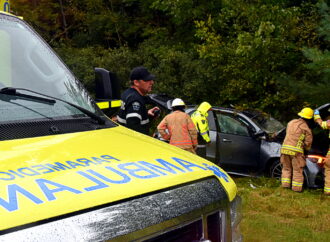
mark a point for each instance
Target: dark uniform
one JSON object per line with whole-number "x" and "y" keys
{"x": 133, "y": 112}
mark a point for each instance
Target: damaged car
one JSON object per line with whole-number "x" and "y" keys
{"x": 248, "y": 142}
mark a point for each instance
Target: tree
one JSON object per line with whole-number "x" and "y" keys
{"x": 253, "y": 50}
{"x": 263, "y": 54}
{"x": 316, "y": 89}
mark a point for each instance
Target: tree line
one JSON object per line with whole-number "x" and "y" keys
{"x": 271, "y": 55}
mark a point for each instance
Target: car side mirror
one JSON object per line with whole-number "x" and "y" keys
{"x": 260, "y": 134}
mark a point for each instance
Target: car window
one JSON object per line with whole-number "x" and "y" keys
{"x": 229, "y": 125}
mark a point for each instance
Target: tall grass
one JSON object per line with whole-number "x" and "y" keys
{"x": 272, "y": 213}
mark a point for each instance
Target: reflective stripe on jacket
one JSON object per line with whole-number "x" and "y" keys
{"x": 298, "y": 137}
{"x": 133, "y": 112}
{"x": 199, "y": 117}
{"x": 179, "y": 129}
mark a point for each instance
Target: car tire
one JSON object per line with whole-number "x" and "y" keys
{"x": 275, "y": 170}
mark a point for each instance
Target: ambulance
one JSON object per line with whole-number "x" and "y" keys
{"x": 69, "y": 173}
{"x": 4, "y": 5}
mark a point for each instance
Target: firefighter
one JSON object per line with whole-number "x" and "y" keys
{"x": 297, "y": 142}
{"x": 178, "y": 128}
{"x": 199, "y": 117}
{"x": 325, "y": 125}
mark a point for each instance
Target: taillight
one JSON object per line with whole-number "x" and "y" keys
{"x": 318, "y": 159}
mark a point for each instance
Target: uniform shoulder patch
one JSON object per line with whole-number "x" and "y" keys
{"x": 122, "y": 105}
{"x": 136, "y": 106}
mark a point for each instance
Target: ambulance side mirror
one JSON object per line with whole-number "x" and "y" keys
{"x": 107, "y": 85}
{"x": 107, "y": 91}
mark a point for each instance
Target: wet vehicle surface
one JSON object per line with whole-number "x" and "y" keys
{"x": 69, "y": 173}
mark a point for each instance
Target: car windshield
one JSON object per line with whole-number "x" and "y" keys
{"x": 27, "y": 62}
{"x": 265, "y": 121}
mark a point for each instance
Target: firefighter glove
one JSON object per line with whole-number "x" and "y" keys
{"x": 316, "y": 114}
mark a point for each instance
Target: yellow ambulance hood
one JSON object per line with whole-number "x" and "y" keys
{"x": 49, "y": 176}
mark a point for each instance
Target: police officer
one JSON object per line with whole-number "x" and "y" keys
{"x": 133, "y": 112}
{"x": 199, "y": 117}
{"x": 297, "y": 141}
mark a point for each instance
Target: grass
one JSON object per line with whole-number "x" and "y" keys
{"x": 272, "y": 213}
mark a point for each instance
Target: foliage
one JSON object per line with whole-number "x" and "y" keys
{"x": 270, "y": 55}
{"x": 317, "y": 89}
{"x": 253, "y": 50}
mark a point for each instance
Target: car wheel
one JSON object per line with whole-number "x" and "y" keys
{"x": 275, "y": 170}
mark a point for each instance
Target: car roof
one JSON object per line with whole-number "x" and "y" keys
{"x": 248, "y": 112}
{"x": 165, "y": 100}
{"x": 324, "y": 110}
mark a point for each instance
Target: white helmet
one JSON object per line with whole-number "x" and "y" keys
{"x": 177, "y": 102}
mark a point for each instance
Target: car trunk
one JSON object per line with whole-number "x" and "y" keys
{"x": 321, "y": 137}
{"x": 320, "y": 143}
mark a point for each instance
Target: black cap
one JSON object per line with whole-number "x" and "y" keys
{"x": 141, "y": 73}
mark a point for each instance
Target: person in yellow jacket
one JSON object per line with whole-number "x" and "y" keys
{"x": 199, "y": 117}
{"x": 325, "y": 125}
{"x": 178, "y": 128}
{"x": 297, "y": 141}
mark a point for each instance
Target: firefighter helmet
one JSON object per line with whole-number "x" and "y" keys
{"x": 177, "y": 102}
{"x": 306, "y": 113}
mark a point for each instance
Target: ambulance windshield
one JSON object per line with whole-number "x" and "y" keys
{"x": 26, "y": 61}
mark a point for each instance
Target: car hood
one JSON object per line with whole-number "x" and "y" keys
{"x": 47, "y": 177}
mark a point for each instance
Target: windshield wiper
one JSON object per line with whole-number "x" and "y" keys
{"x": 13, "y": 92}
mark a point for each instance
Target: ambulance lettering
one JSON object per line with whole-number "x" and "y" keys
{"x": 6, "y": 6}
{"x": 40, "y": 169}
{"x": 103, "y": 178}
{"x": 12, "y": 203}
{"x": 99, "y": 184}
{"x": 124, "y": 178}
{"x": 167, "y": 166}
{"x": 6, "y": 176}
{"x": 50, "y": 187}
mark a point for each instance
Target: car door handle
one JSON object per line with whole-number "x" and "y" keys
{"x": 226, "y": 140}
